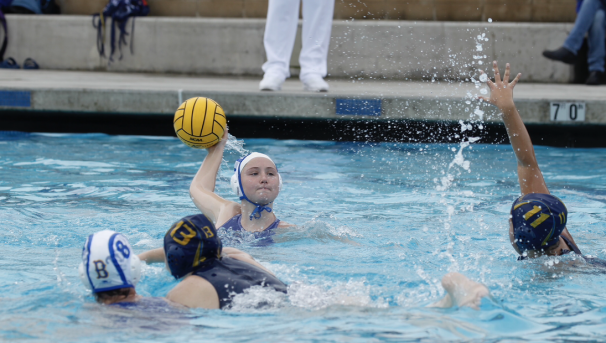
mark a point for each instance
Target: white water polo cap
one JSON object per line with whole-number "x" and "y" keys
{"x": 108, "y": 262}
{"x": 236, "y": 182}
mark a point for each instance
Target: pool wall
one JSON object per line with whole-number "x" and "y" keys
{"x": 353, "y": 110}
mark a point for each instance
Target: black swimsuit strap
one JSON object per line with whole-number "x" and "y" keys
{"x": 572, "y": 246}
{"x": 564, "y": 251}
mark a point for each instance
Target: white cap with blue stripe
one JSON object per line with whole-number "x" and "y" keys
{"x": 108, "y": 262}
{"x": 236, "y": 183}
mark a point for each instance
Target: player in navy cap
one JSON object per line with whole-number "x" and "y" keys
{"x": 538, "y": 219}
{"x": 210, "y": 275}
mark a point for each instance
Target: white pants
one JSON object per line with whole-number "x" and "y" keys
{"x": 281, "y": 29}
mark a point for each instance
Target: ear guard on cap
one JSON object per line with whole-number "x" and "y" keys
{"x": 235, "y": 183}
{"x": 189, "y": 243}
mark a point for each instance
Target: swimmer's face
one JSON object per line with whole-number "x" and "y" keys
{"x": 260, "y": 180}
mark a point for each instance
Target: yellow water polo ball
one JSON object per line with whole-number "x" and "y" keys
{"x": 200, "y": 122}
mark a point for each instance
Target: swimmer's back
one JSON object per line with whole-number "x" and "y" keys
{"x": 230, "y": 276}
{"x": 213, "y": 284}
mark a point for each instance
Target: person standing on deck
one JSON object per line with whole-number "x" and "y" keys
{"x": 279, "y": 39}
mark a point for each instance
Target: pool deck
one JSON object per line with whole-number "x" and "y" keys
{"x": 83, "y": 94}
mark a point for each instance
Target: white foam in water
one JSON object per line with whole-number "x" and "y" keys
{"x": 258, "y": 298}
{"x": 351, "y": 293}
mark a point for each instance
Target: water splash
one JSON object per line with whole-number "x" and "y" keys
{"x": 236, "y": 145}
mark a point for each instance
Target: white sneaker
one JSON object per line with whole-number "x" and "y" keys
{"x": 271, "y": 82}
{"x": 314, "y": 83}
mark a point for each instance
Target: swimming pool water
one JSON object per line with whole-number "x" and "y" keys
{"x": 378, "y": 225}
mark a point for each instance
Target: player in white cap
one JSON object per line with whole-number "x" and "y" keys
{"x": 110, "y": 268}
{"x": 257, "y": 183}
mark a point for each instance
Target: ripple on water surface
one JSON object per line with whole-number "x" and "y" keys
{"x": 378, "y": 225}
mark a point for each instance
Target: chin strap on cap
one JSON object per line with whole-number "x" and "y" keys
{"x": 257, "y": 211}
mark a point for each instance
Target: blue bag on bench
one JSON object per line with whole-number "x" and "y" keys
{"x": 119, "y": 11}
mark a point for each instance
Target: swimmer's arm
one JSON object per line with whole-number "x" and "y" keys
{"x": 461, "y": 291}
{"x": 501, "y": 95}
{"x": 244, "y": 257}
{"x": 202, "y": 188}
{"x": 284, "y": 225}
{"x": 569, "y": 236}
{"x": 153, "y": 256}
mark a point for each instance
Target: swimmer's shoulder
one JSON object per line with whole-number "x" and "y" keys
{"x": 195, "y": 292}
{"x": 228, "y": 211}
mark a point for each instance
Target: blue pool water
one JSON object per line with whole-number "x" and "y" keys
{"x": 378, "y": 224}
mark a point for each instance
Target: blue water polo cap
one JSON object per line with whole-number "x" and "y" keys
{"x": 189, "y": 243}
{"x": 538, "y": 220}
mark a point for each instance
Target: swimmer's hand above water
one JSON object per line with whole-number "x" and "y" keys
{"x": 461, "y": 292}
{"x": 501, "y": 95}
{"x": 501, "y": 91}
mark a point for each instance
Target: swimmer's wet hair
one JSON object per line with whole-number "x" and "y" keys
{"x": 122, "y": 293}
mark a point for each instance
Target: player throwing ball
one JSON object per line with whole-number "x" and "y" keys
{"x": 257, "y": 183}
{"x": 538, "y": 219}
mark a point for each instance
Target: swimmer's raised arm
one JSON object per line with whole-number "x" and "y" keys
{"x": 202, "y": 188}
{"x": 501, "y": 95}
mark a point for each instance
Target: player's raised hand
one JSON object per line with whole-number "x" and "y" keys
{"x": 501, "y": 90}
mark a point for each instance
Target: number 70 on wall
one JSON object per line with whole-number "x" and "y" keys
{"x": 567, "y": 111}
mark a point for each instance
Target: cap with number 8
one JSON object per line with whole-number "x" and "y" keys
{"x": 108, "y": 262}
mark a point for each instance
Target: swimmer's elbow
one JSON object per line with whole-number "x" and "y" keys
{"x": 528, "y": 162}
{"x": 196, "y": 188}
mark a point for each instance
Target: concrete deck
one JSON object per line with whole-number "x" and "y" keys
{"x": 69, "y": 101}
